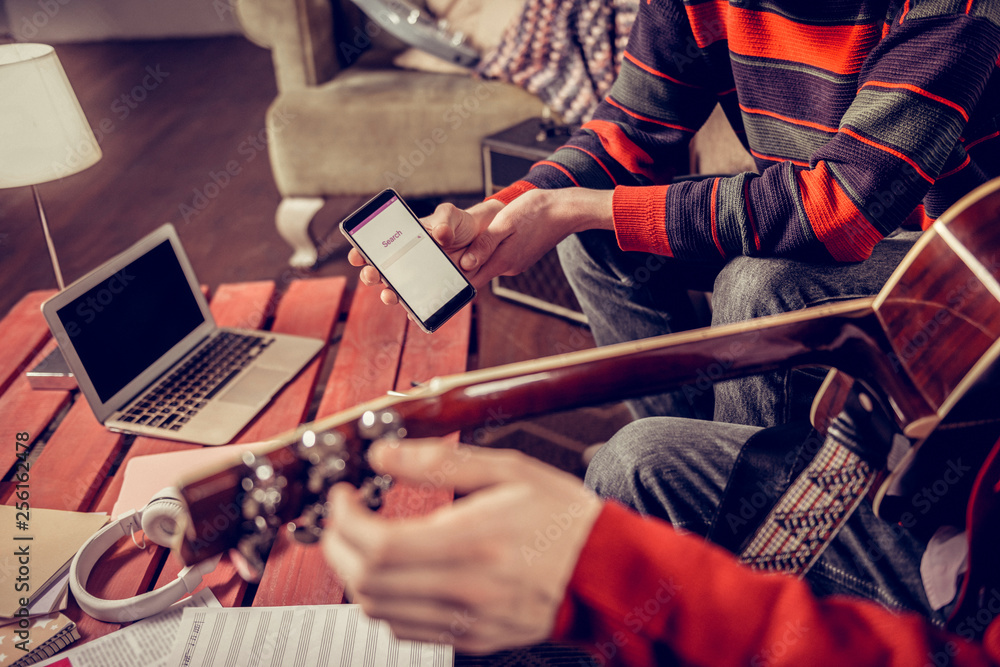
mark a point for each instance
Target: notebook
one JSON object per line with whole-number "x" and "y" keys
{"x": 139, "y": 337}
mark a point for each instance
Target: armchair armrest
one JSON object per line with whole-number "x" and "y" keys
{"x": 299, "y": 35}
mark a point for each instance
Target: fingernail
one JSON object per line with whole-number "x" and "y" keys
{"x": 469, "y": 262}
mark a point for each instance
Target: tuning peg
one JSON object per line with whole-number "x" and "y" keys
{"x": 381, "y": 424}
{"x": 307, "y": 529}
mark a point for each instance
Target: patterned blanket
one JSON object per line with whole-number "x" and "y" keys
{"x": 567, "y": 52}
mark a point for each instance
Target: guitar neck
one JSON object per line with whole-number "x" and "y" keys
{"x": 846, "y": 335}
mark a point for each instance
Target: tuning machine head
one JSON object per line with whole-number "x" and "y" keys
{"x": 263, "y": 493}
{"x": 372, "y": 426}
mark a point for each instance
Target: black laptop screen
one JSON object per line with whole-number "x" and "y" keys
{"x": 127, "y": 322}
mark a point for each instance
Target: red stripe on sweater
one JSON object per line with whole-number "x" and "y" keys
{"x": 788, "y": 119}
{"x": 753, "y": 223}
{"x": 673, "y": 126}
{"x": 891, "y": 151}
{"x": 774, "y": 158}
{"x": 646, "y": 68}
{"x": 965, "y": 163}
{"x": 595, "y": 159}
{"x": 714, "y": 218}
{"x": 982, "y": 139}
{"x": 918, "y": 218}
{"x": 561, "y": 168}
{"x": 708, "y": 21}
{"x": 622, "y": 150}
{"x": 836, "y": 48}
{"x": 834, "y": 218}
{"x": 919, "y": 91}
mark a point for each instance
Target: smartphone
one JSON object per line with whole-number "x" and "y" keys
{"x": 390, "y": 237}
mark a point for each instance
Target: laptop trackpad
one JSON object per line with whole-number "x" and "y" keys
{"x": 256, "y": 386}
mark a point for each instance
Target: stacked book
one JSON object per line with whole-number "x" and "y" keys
{"x": 36, "y": 548}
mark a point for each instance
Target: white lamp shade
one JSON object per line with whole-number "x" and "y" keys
{"x": 44, "y": 135}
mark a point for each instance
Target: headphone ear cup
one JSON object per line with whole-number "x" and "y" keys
{"x": 159, "y": 517}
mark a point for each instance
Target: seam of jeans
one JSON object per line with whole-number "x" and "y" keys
{"x": 840, "y": 577}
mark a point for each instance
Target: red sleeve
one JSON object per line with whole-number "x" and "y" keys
{"x": 642, "y": 592}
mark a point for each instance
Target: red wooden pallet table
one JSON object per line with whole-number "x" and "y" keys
{"x": 80, "y": 466}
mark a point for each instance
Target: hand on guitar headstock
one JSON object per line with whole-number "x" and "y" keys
{"x": 482, "y": 555}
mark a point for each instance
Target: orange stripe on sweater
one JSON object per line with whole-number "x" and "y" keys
{"x": 919, "y": 91}
{"x": 623, "y": 150}
{"x": 834, "y": 218}
{"x": 836, "y": 48}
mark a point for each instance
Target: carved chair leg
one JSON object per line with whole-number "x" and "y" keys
{"x": 292, "y": 219}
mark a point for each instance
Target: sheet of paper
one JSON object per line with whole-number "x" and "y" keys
{"x": 145, "y": 476}
{"x": 337, "y": 635}
{"x": 144, "y": 643}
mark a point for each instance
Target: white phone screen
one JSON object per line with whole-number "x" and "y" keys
{"x": 409, "y": 260}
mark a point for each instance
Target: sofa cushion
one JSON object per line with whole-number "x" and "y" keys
{"x": 339, "y": 137}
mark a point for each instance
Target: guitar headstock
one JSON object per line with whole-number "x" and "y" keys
{"x": 244, "y": 504}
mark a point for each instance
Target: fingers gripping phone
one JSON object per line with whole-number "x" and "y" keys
{"x": 390, "y": 237}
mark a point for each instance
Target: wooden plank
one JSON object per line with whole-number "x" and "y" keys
{"x": 444, "y": 352}
{"x": 368, "y": 359}
{"x": 26, "y": 410}
{"x": 76, "y": 460}
{"x": 244, "y": 305}
{"x": 309, "y": 308}
{"x": 366, "y": 367}
{"x": 123, "y": 571}
{"x": 23, "y": 331}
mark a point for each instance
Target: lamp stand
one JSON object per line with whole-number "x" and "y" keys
{"x": 48, "y": 239}
{"x": 52, "y": 372}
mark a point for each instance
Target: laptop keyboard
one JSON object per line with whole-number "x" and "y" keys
{"x": 178, "y": 397}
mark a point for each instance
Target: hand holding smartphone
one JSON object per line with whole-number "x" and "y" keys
{"x": 390, "y": 237}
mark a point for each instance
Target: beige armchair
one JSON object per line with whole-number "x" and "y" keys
{"x": 357, "y": 129}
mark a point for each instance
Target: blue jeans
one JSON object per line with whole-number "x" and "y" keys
{"x": 677, "y": 469}
{"x": 633, "y": 295}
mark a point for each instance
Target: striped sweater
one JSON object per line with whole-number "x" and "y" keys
{"x": 862, "y": 116}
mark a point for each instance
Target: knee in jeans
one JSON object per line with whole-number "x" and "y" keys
{"x": 625, "y": 455}
{"x": 751, "y": 287}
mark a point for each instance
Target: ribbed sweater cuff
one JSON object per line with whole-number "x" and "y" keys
{"x": 512, "y": 192}
{"x": 640, "y": 218}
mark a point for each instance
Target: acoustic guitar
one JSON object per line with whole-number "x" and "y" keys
{"x": 915, "y": 349}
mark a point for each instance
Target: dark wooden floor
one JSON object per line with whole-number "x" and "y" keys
{"x": 202, "y": 107}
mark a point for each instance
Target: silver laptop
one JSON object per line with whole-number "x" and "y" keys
{"x": 139, "y": 337}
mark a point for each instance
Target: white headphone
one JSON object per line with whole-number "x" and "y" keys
{"x": 158, "y": 520}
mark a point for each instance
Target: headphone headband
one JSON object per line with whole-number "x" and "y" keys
{"x": 157, "y": 520}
